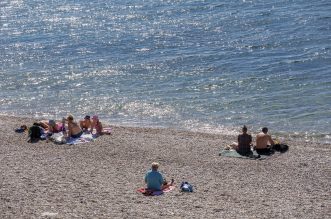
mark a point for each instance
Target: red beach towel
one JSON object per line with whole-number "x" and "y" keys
{"x": 148, "y": 192}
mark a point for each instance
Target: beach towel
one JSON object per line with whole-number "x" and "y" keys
{"x": 234, "y": 153}
{"x": 84, "y": 138}
{"x": 148, "y": 192}
{"x": 105, "y": 131}
{"x": 59, "y": 138}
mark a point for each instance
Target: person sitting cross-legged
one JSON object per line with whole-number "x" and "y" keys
{"x": 244, "y": 144}
{"x": 74, "y": 130}
{"x": 85, "y": 124}
{"x": 264, "y": 142}
{"x": 154, "y": 178}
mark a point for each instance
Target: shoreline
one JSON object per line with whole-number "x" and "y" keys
{"x": 99, "y": 179}
{"x": 280, "y": 136}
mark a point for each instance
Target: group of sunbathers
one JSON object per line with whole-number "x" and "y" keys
{"x": 263, "y": 145}
{"x": 72, "y": 130}
{"x": 153, "y": 177}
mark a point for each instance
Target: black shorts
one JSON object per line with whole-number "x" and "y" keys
{"x": 265, "y": 151}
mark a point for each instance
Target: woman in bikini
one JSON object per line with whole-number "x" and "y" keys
{"x": 97, "y": 125}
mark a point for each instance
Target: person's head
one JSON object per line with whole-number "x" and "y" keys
{"x": 70, "y": 118}
{"x": 87, "y": 117}
{"x": 244, "y": 129}
{"x": 51, "y": 123}
{"x": 155, "y": 166}
{"x": 95, "y": 118}
{"x": 265, "y": 130}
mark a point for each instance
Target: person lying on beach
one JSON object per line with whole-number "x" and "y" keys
{"x": 244, "y": 144}
{"x": 50, "y": 126}
{"x": 74, "y": 130}
{"x": 85, "y": 124}
{"x": 97, "y": 125}
{"x": 53, "y": 127}
{"x": 264, "y": 142}
{"x": 43, "y": 124}
{"x": 155, "y": 180}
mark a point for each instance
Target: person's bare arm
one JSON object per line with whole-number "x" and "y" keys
{"x": 270, "y": 140}
{"x": 69, "y": 129}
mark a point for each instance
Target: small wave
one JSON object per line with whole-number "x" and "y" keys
{"x": 196, "y": 126}
{"x": 147, "y": 109}
{"x": 143, "y": 50}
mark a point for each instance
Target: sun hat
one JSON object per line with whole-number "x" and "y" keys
{"x": 87, "y": 117}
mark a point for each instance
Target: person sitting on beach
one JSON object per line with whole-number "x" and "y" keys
{"x": 244, "y": 143}
{"x": 264, "y": 142}
{"x": 97, "y": 125}
{"x": 85, "y": 124}
{"x": 154, "y": 178}
{"x": 74, "y": 130}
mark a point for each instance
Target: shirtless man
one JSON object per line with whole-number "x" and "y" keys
{"x": 264, "y": 142}
{"x": 74, "y": 129}
{"x": 86, "y": 123}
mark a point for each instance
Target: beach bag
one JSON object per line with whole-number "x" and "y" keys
{"x": 35, "y": 132}
{"x": 186, "y": 187}
{"x": 58, "y": 138}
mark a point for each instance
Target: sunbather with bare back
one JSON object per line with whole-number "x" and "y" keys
{"x": 264, "y": 142}
{"x": 74, "y": 129}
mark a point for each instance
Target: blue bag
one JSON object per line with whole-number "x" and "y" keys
{"x": 186, "y": 187}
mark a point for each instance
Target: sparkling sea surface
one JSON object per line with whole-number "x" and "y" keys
{"x": 208, "y": 65}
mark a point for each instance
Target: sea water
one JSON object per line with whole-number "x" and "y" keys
{"x": 208, "y": 65}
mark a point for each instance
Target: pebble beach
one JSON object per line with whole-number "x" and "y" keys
{"x": 100, "y": 179}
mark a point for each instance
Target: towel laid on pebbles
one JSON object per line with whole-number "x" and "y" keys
{"x": 234, "y": 153}
{"x": 58, "y": 138}
{"x": 148, "y": 192}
